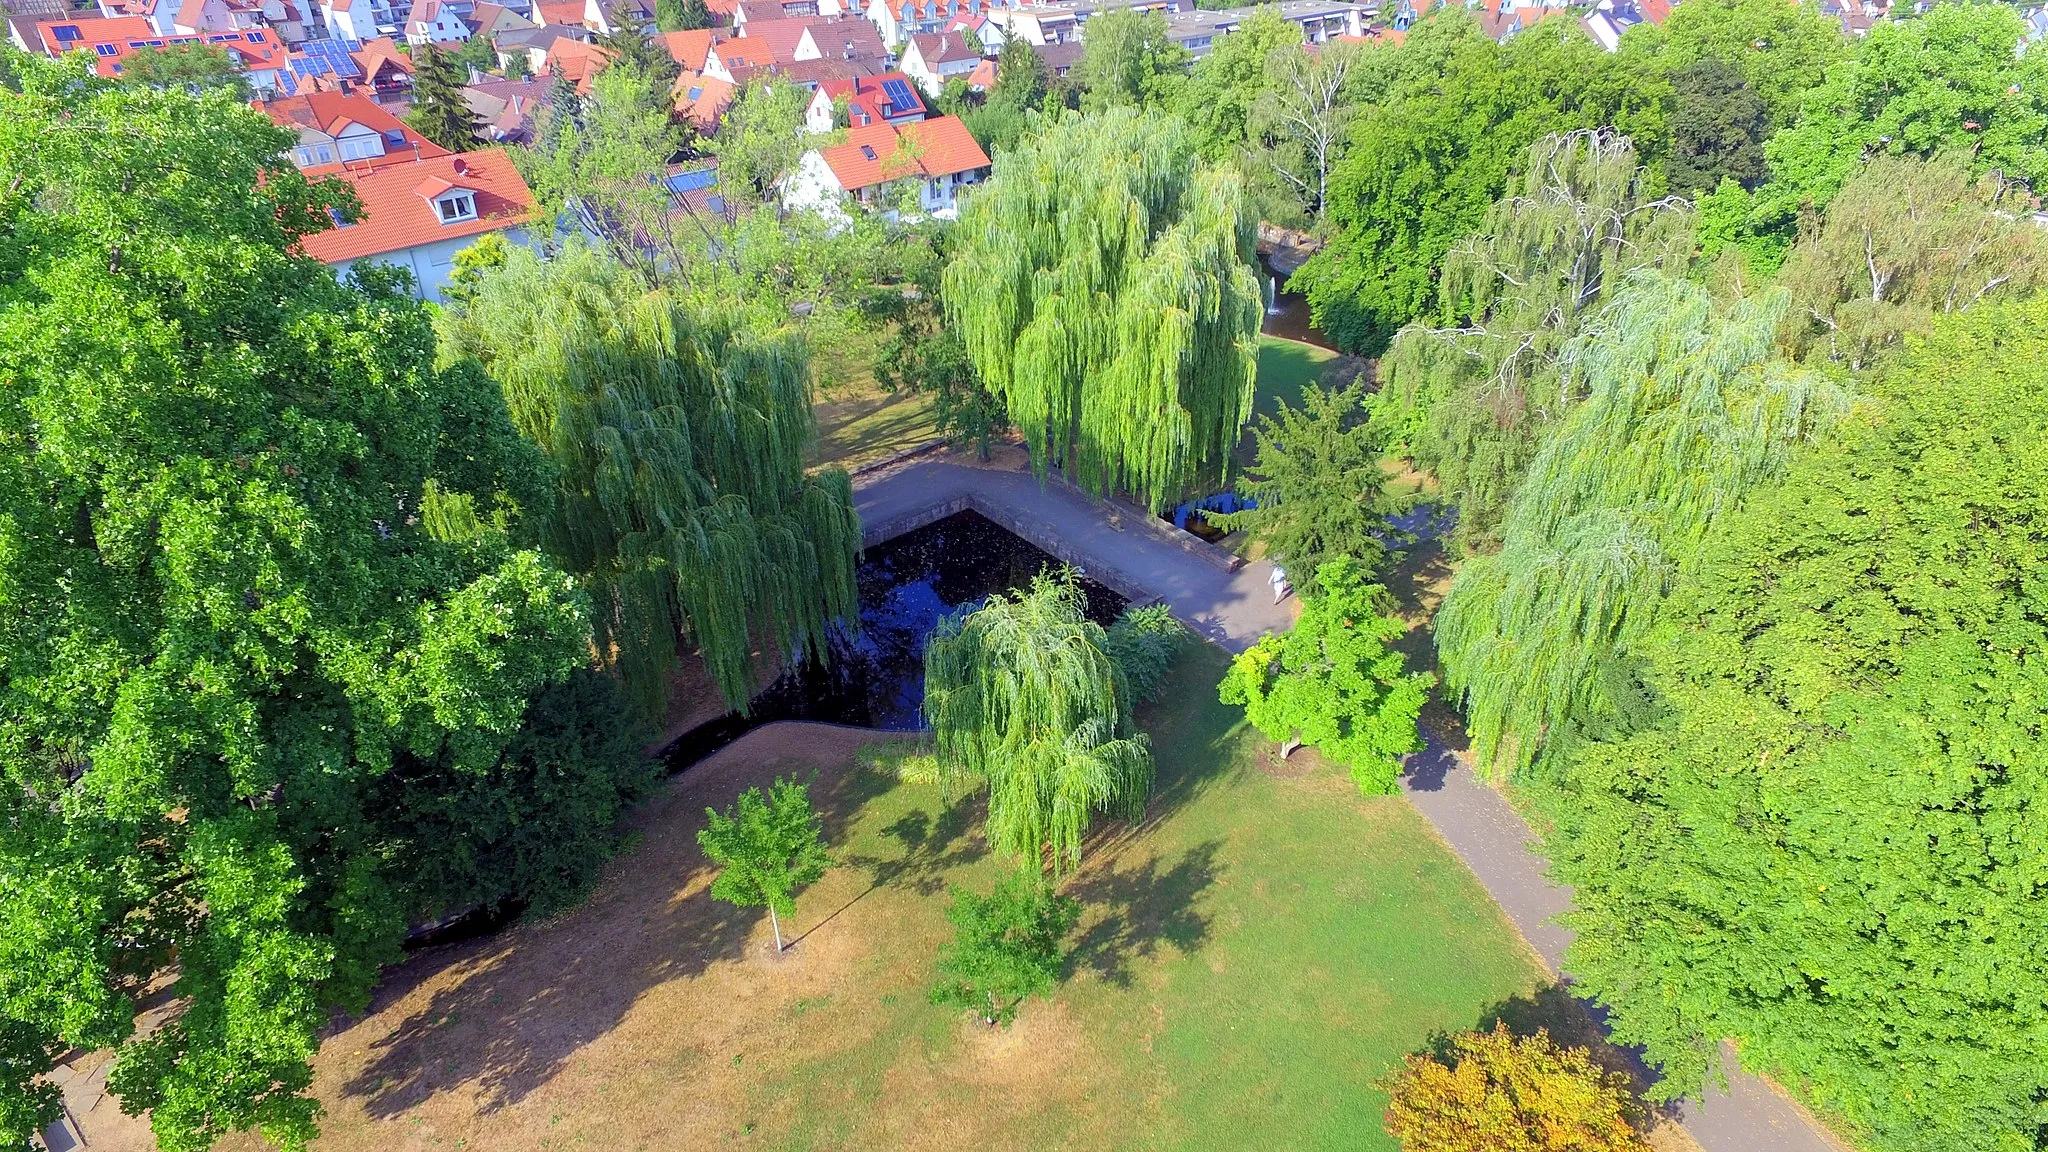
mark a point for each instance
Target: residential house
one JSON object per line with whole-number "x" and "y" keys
{"x": 728, "y": 60}
{"x": 1196, "y": 31}
{"x": 689, "y": 49}
{"x": 535, "y": 44}
{"x": 746, "y": 11}
{"x": 418, "y": 214}
{"x": 503, "y": 109}
{"x": 342, "y": 130}
{"x": 702, "y": 100}
{"x": 931, "y": 59}
{"x": 387, "y": 72}
{"x": 1320, "y": 21}
{"x": 897, "y": 20}
{"x": 880, "y": 165}
{"x": 578, "y": 61}
{"x": 257, "y": 53}
{"x": 983, "y": 78}
{"x": 438, "y": 22}
{"x": 889, "y": 96}
{"x": 492, "y": 20}
{"x": 693, "y": 188}
{"x": 1610, "y": 18}
{"x": 363, "y": 20}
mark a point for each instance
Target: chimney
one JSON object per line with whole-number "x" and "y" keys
{"x": 416, "y": 152}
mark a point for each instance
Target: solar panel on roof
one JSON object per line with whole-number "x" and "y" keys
{"x": 899, "y": 94}
{"x": 691, "y": 181}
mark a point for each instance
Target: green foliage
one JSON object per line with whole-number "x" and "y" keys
{"x": 1321, "y": 492}
{"x": 761, "y": 139}
{"x": 1332, "y": 682}
{"x": 1452, "y": 114}
{"x": 1007, "y": 946}
{"x": 597, "y": 154}
{"x": 438, "y": 112}
{"x": 1124, "y": 351}
{"x": 1024, "y": 694}
{"x": 228, "y": 641}
{"x": 1782, "y": 50}
{"x": 1218, "y": 97}
{"x": 1503, "y": 1093}
{"x": 1718, "y": 128}
{"x": 1471, "y": 399}
{"x": 1142, "y": 643}
{"x": 193, "y": 67}
{"x": 650, "y": 62}
{"x": 1947, "y": 80}
{"x": 683, "y": 15}
{"x": 1686, "y": 411}
{"x": 1830, "y": 848}
{"x": 484, "y": 255}
{"x": 1300, "y": 124}
{"x": 768, "y": 848}
{"x": 677, "y": 429}
{"x": 1129, "y": 60}
{"x": 1907, "y": 240}
{"x": 921, "y": 354}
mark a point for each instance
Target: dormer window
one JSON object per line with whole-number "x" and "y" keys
{"x": 456, "y": 207}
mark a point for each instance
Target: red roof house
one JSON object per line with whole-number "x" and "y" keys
{"x": 418, "y": 214}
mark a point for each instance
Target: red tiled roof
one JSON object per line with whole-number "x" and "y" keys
{"x": 865, "y": 93}
{"x": 1654, "y": 11}
{"x": 941, "y": 47}
{"x": 745, "y": 52}
{"x": 330, "y": 112}
{"x": 577, "y": 60}
{"x": 379, "y": 54}
{"x": 873, "y": 155}
{"x": 689, "y": 48}
{"x": 397, "y": 213}
{"x": 983, "y": 78}
{"x": 569, "y": 12}
{"x": 701, "y": 99}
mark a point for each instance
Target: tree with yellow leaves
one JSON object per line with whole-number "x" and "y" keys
{"x": 1504, "y": 1093}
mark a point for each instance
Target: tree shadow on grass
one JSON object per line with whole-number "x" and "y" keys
{"x": 1142, "y": 908}
{"x": 513, "y": 1008}
{"x": 1571, "y": 1023}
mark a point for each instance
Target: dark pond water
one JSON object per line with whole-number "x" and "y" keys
{"x": 1287, "y": 312}
{"x": 875, "y": 679}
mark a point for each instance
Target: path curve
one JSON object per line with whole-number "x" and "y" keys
{"x": 1146, "y": 560}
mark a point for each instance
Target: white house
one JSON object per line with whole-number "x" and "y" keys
{"x": 349, "y": 129}
{"x": 882, "y": 165}
{"x": 888, "y": 97}
{"x": 418, "y": 214}
{"x": 933, "y": 58}
{"x": 437, "y": 22}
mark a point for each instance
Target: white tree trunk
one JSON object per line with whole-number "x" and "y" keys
{"x": 775, "y": 923}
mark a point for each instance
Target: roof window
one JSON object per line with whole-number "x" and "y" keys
{"x": 105, "y": 49}
{"x": 867, "y": 152}
{"x": 456, "y": 207}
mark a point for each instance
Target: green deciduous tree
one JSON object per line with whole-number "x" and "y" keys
{"x": 1470, "y": 393}
{"x": 1104, "y": 284}
{"x": 1331, "y": 681}
{"x": 1007, "y": 946}
{"x": 683, "y": 15}
{"x": 1218, "y": 98}
{"x": 1503, "y": 1093}
{"x": 678, "y": 430}
{"x": 1128, "y": 59}
{"x": 239, "y": 679}
{"x": 1142, "y": 642}
{"x": 1685, "y": 411}
{"x": 1829, "y": 847}
{"x": 1907, "y": 240}
{"x": 603, "y": 158}
{"x": 438, "y": 112}
{"x": 191, "y": 67}
{"x": 768, "y": 848}
{"x": 760, "y": 139}
{"x": 1320, "y": 490}
{"x": 1301, "y": 121}
{"x": 1024, "y": 695}
{"x": 1718, "y": 128}
{"x": 1782, "y": 50}
{"x": 1451, "y": 114}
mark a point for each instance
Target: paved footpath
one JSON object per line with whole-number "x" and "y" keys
{"x": 1143, "y": 558}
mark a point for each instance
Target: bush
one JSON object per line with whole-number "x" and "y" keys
{"x": 1142, "y": 642}
{"x": 1502, "y": 1093}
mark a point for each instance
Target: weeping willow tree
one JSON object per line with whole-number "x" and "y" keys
{"x": 1685, "y": 410}
{"x": 677, "y": 430}
{"x": 1471, "y": 397}
{"x": 1104, "y": 285}
{"x": 1025, "y": 695}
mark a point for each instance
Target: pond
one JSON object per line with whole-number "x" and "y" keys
{"x": 1287, "y": 313}
{"x": 875, "y": 678}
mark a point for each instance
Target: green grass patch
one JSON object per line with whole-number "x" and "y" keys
{"x": 1251, "y": 959}
{"x": 1285, "y": 367}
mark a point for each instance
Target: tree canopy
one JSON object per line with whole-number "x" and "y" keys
{"x": 1025, "y": 697}
{"x": 1498, "y": 1092}
{"x": 1823, "y": 841}
{"x": 256, "y": 715}
{"x": 767, "y": 847}
{"x": 1332, "y": 682}
{"x": 1103, "y": 281}
{"x": 677, "y": 428}
{"x": 1685, "y": 411}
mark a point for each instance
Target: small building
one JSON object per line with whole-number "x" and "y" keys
{"x": 347, "y": 131}
{"x": 503, "y": 109}
{"x": 418, "y": 214}
{"x": 437, "y": 22}
{"x": 933, "y": 159}
{"x": 931, "y": 59}
{"x": 888, "y": 97}
{"x": 702, "y": 100}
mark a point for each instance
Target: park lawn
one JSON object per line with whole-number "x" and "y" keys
{"x": 1252, "y": 958}
{"x": 858, "y": 420}
{"x": 1285, "y": 367}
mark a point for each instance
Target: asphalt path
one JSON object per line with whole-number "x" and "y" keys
{"x": 1233, "y": 607}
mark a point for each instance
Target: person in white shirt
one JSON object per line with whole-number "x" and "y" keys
{"x": 1280, "y": 586}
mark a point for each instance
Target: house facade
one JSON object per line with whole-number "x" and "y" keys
{"x": 932, "y": 58}
{"x": 418, "y": 214}
{"x": 888, "y": 97}
{"x": 885, "y": 167}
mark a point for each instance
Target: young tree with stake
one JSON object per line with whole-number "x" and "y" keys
{"x": 766, "y": 848}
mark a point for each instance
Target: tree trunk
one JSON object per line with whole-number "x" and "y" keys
{"x": 1288, "y": 746}
{"x": 775, "y": 923}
